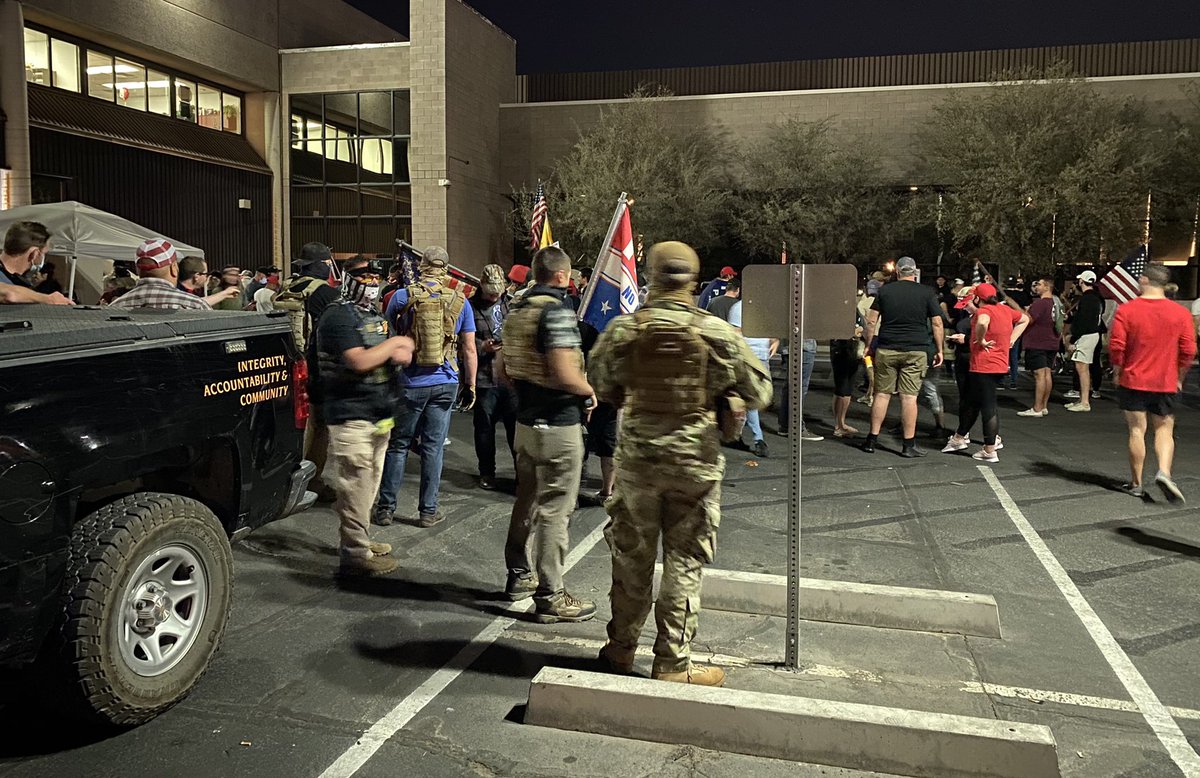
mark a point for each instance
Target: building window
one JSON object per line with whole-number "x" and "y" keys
{"x": 37, "y": 57}
{"x": 131, "y": 84}
{"x": 208, "y": 107}
{"x": 231, "y": 112}
{"x": 350, "y": 183}
{"x": 65, "y": 59}
{"x": 100, "y": 76}
{"x": 158, "y": 92}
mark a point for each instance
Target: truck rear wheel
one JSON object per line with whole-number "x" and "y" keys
{"x": 147, "y": 596}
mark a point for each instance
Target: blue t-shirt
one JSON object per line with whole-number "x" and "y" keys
{"x": 760, "y": 346}
{"x": 427, "y": 376}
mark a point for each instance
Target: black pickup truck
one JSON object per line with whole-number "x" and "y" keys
{"x": 134, "y": 445}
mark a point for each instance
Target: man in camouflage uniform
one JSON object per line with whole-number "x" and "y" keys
{"x": 667, "y": 365}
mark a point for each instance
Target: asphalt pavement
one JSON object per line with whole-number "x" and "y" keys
{"x": 425, "y": 673}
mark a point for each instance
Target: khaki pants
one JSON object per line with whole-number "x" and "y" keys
{"x": 549, "y": 462}
{"x": 356, "y": 454}
{"x": 686, "y": 514}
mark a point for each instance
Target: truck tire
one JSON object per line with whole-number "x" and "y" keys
{"x": 146, "y": 597}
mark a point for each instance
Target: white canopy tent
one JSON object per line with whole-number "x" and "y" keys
{"x": 79, "y": 231}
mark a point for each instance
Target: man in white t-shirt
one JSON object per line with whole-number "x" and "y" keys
{"x": 1196, "y": 314}
{"x": 264, "y": 299}
{"x": 764, "y": 349}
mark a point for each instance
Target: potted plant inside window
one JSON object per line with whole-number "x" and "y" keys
{"x": 232, "y": 116}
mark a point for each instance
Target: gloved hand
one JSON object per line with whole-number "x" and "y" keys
{"x": 466, "y": 400}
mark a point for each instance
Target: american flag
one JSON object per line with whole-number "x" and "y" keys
{"x": 1121, "y": 283}
{"x": 538, "y": 218}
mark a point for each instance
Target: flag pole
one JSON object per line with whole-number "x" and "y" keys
{"x": 596, "y": 266}
{"x": 1146, "y": 228}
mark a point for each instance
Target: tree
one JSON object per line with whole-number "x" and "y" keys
{"x": 1040, "y": 168}
{"x": 826, "y": 199}
{"x": 677, "y": 176}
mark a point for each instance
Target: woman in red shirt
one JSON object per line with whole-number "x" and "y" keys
{"x": 993, "y": 329}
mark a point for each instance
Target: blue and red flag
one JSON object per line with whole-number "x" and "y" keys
{"x": 614, "y": 286}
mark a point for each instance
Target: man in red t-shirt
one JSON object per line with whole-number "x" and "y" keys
{"x": 1151, "y": 348}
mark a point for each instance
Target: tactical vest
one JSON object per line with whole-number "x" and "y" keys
{"x": 523, "y": 359}
{"x": 294, "y": 299}
{"x": 374, "y": 330}
{"x": 669, "y": 369}
{"x": 434, "y": 323}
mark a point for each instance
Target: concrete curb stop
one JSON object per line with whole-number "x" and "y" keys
{"x": 845, "y": 602}
{"x": 839, "y": 734}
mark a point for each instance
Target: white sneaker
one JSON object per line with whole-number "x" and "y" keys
{"x": 951, "y": 446}
{"x": 999, "y": 443}
{"x": 1072, "y": 395}
{"x": 983, "y": 456}
{"x": 1032, "y": 412}
{"x": 1079, "y": 408}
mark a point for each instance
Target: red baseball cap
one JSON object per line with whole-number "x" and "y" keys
{"x": 518, "y": 274}
{"x": 728, "y": 271}
{"x": 155, "y": 253}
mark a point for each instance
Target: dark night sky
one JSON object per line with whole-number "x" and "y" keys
{"x": 570, "y": 35}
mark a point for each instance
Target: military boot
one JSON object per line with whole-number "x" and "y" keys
{"x": 380, "y": 549}
{"x": 562, "y": 607}
{"x": 367, "y": 566}
{"x": 697, "y": 675}
{"x": 616, "y": 660}
{"x": 520, "y": 587}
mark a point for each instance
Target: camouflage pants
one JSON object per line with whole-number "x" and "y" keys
{"x": 645, "y": 506}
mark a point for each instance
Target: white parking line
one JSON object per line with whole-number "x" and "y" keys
{"x": 1151, "y": 708}
{"x": 381, "y": 731}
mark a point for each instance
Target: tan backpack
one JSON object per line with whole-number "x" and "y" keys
{"x": 434, "y": 323}
{"x": 294, "y": 299}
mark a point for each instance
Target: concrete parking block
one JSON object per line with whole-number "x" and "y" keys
{"x": 840, "y": 734}
{"x": 845, "y": 602}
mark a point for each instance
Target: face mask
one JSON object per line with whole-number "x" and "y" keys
{"x": 39, "y": 263}
{"x": 370, "y": 293}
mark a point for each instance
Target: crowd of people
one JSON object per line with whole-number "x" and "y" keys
{"x": 652, "y": 395}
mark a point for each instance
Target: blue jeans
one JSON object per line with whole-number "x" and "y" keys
{"x": 809, "y": 359}
{"x": 752, "y": 420}
{"x": 424, "y": 408}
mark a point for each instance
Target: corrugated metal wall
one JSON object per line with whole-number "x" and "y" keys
{"x": 195, "y": 202}
{"x": 1104, "y": 59}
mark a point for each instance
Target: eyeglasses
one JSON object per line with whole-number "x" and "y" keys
{"x": 368, "y": 278}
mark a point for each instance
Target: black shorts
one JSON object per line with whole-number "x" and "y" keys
{"x": 1039, "y": 359}
{"x": 602, "y": 431}
{"x": 845, "y": 367}
{"x": 1157, "y": 403}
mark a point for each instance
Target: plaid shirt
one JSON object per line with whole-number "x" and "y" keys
{"x": 157, "y": 293}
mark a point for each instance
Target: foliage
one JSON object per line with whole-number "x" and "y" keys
{"x": 676, "y": 174}
{"x": 1043, "y": 168}
{"x": 823, "y": 197}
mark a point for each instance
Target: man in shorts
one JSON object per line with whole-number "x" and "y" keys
{"x": 905, "y": 314}
{"x": 1087, "y": 325}
{"x": 1041, "y": 341}
{"x": 1152, "y": 346}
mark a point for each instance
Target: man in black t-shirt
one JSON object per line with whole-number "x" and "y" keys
{"x": 903, "y": 315}
{"x": 359, "y": 383}
{"x": 720, "y": 306}
{"x": 1083, "y": 339}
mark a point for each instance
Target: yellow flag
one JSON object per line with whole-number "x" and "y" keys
{"x": 547, "y": 236}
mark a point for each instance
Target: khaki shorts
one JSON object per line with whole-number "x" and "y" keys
{"x": 1085, "y": 348}
{"x": 899, "y": 371}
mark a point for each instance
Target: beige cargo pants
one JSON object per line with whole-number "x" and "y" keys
{"x": 645, "y": 505}
{"x": 355, "y": 469}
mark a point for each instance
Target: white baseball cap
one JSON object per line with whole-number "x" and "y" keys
{"x": 1087, "y": 276}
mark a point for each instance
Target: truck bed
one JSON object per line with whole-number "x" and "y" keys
{"x": 29, "y": 331}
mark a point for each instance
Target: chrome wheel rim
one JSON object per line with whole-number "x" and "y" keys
{"x": 162, "y": 610}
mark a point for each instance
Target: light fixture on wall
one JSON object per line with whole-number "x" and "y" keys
{"x": 244, "y": 204}
{"x": 443, "y": 182}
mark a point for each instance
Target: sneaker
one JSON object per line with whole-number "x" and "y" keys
{"x": 999, "y": 443}
{"x": 810, "y": 436}
{"x": 1033, "y": 413}
{"x": 487, "y": 482}
{"x": 1079, "y": 408}
{"x": 866, "y": 399}
{"x": 1072, "y": 395}
{"x": 367, "y": 566}
{"x": 697, "y": 675}
{"x": 1169, "y": 489}
{"x": 1096, "y": 395}
{"x": 594, "y": 500}
{"x": 429, "y": 519}
{"x": 616, "y": 660}
{"x": 912, "y": 452}
{"x": 520, "y": 586}
{"x": 563, "y": 607}
{"x": 983, "y": 456}
{"x": 868, "y": 446}
{"x": 382, "y": 517}
{"x": 955, "y": 443}
{"x": 446, "y": 442}
{"x": 1133, "y": 490}
{"x": 380, "y": 549}
{"x": 759, "y": 449}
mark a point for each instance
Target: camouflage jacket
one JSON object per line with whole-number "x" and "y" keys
{"x": 686, "y": 440}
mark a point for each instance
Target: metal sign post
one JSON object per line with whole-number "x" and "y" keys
{"x": 797, "y": 302}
